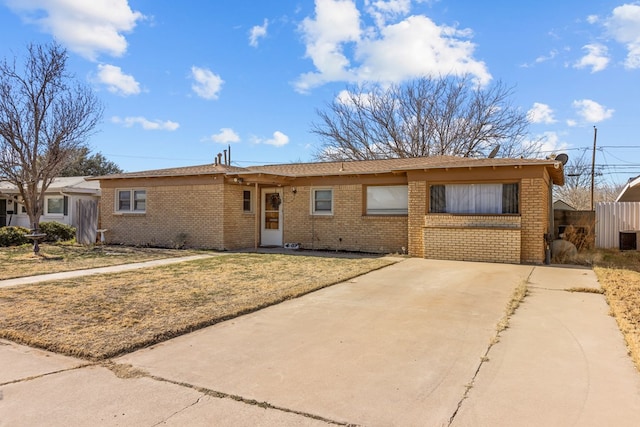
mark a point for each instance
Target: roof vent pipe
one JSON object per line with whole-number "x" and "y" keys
{"x": 219, "y": 162}
{"x": 225, "y": 157}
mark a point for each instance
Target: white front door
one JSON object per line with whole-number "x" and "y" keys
{"x": 271, "y": 227}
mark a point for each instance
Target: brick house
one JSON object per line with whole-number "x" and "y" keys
{"x": 495, "y": 210}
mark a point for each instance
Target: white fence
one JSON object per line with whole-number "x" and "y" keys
{"x": 614, "y": 217}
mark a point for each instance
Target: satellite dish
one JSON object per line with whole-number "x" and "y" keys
{"x": 562, "y": 158}
{"x": 494, "y": 152}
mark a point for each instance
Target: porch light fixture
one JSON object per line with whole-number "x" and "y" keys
{"x": 238, "y": 180}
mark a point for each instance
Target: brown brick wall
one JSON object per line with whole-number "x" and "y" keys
{"x": 534, "y": 205}
{"x": 239, "y": 226}
{"x": 347, "y": 229}
{"x": 417, "y": 212}
{"x": 483, "y": 238}
{"x": 481, "y": 232}
{"x": 192, "y": 212}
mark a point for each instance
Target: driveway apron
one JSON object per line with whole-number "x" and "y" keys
{"x": 393, "y": 347}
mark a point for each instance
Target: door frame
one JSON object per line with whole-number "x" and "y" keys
{"x": 270, "y": 237}
{"x": 3, "y": 212}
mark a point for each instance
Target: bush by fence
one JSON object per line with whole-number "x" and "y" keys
{"x": 57, "y": 232}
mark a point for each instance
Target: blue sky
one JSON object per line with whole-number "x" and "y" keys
{"x": 182, "y": 80}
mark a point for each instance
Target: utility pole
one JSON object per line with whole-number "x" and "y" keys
{"x": 593, "y": 165}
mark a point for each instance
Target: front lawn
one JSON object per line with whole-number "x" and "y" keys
{"x": 102, "y": 316}
{"x": 21, "y": 262}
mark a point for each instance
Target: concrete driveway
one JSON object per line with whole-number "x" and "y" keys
{"x": 406, "y": 345}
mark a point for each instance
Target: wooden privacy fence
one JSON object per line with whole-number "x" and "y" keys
{"x": 87, "y": 222}
{"x": 613, "y": 218}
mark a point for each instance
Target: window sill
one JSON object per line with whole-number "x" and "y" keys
{"x": 386, "y": 215}
{"x": 471, "y": 214}
{"x": 129, "y": 213}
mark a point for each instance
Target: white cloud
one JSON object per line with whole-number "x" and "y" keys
{"x": 592, "y": 112}
{"x": 350, "y": 99}
{"x": 279, "y": 139}
{"x": 397, "y": 48}
{"x": 597, "y": 57}
{"x": 146, "y": 124}
{"x": 416, "y": 47}
{"x": 85, "y": 27}
{"x": 592, "y": 19}
{"x": 207, "y": 84}
{"x": 257, "y": 32}
{"x": 541, "y": 113}
{"x": 552, "y": 54}
{"x": 225, "y": 136}
{"x": 624, "y": 25}
{"x": 551, "y": 143}
{"x": 382, "y": 10}
{"x": 117, "y": 82}
{"x": 545, "y": 143}
{"x": 337, "y": 22}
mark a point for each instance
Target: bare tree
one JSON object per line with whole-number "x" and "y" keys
{"x": 45, "y": 117}
{"x": 424, "y": 117}
{"x": 576, "y": 190}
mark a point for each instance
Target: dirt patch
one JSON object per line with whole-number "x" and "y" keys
{"x": 102, "y": 316}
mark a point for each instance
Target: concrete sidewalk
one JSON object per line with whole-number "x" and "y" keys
{"x": 397, "y": 346}
{"x": 100, "y": 270}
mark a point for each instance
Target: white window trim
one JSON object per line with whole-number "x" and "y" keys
{"x": 313, "y": 201}
{"x": 251, "y": 202}
{"x": 46, "y": 206}
{"x": 130, "y": 210}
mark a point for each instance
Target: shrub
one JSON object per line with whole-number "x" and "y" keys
{"x": 13, "y": 236}
{"x": 57, "y": 232}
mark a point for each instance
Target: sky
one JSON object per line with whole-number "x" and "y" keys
{"x": 181, "y": 81}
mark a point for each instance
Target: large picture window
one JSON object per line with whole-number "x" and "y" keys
{"x": 388, "y": 200}
{"x": 131, "y": 201}
{"x": 322, "y": 201}
{"x": 474, "y": 198}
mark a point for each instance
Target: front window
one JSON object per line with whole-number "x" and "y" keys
{"x": 388, "y": 200}
{"x": 474, "y": 198}
{"x": 131, "y": 201}
{"x": 322, "y": 201}
{"x": 54, "y": 205}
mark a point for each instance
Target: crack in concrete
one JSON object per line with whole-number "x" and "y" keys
{"x": 222, "y": 395}
{"x": 46, "y": 374}
{"x": 180, "y": 410}
{"x": 500, "y": 327}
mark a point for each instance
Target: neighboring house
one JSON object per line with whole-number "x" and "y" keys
{"x": 631, "y": 191}
{"x": 618, "y": 223}
{"x": 560, "y": 205}
{"x": 496, "y": 210}
{"x": 60, "y": 204}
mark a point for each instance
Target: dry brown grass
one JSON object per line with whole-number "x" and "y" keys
{"x": 619, "y": 276}
{"x": 103, "y": 316}
{"x": 21, "y": 262}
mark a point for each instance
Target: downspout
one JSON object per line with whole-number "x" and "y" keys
{"x": 550, "y": 231}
